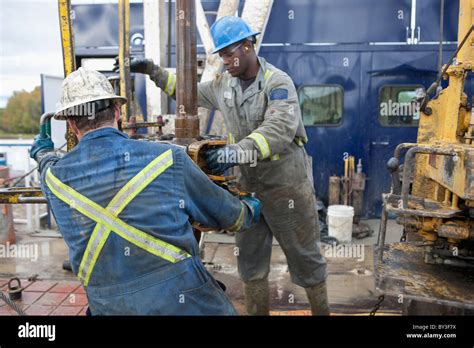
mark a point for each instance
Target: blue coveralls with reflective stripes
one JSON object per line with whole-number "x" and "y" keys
{"x": 142, "y": 257}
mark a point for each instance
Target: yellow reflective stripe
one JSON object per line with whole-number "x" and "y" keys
{"x": 171, "y": 81}
{"x": 87, "y": 207}
{"x": 267, "y": 75}
{"x": 125, "y": 195}
{"x": 275, "y": 157}
{"x": 129, "y": 192}
{"x": 173, "y": 85}
{"x": 95, "y": 254}
{"x": 231, "y": 139}
{"x": 117, "y": 204}
{"x": 261, "y": 143}
{"x": 168, "y": 82}
{"x": 239, "y": 222}
{"x": 100, "y": 215}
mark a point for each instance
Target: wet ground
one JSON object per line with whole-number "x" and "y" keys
{"x": 351, "y": 285}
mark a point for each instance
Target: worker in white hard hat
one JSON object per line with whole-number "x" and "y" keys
{"x": 125, "y": 207}
{"x": 260, "y": 108}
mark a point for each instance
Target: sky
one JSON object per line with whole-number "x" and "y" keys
{"x": 29, "y": 44}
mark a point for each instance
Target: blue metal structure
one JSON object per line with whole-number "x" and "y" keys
{"x": 358, "y": 46}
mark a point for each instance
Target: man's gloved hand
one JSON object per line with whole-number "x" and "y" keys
{"x": 254, "y": 205}
{"x": 40, "y": 145}
{"x": 137, "y": 65}
{"x": 222, "y": 158}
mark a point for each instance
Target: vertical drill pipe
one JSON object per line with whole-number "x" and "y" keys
{"x": 69, "y": 58}
{"x": 124, "y": 57}
{"x": 187, "y": 121}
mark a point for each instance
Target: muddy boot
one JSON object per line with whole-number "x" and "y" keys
{"x": 318, "y": 299}
{"x": 257, "y": 297}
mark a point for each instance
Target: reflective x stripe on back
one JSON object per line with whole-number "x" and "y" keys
{"x": 108, "y": 221}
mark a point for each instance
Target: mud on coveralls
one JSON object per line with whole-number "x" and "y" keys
{"x": 123, "y": 207}
{"x": 267, "y": 117}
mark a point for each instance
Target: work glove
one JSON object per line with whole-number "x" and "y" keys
{"x": 41, "y": 145}
{"x": 137, "y": 65}
{"x": 254, "y": 205}
{"x": 222, "y": 158}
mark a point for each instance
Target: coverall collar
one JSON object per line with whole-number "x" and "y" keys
{"x": 102, "y": 132}
{"x": 255, "y": 87}
{"x": 234, "y": 81}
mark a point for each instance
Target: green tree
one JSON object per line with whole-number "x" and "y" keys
{"x": 23, "y": 112}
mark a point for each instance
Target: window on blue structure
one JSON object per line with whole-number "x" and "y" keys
{"x": 398, "y": 107}
{"x": 321, "y": 105}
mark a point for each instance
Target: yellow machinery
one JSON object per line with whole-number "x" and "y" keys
{"x": 435, "y": 197}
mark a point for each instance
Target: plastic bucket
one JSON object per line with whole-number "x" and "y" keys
{"x": 340, "y": 218}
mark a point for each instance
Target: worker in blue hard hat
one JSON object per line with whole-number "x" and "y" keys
{"x": 125, "y": 209}
{"x": 260, "y": 108}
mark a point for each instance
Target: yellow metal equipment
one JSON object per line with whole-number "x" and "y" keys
{"x": 69, "y": 59}
{"x": 124, "y": 57}
{"x": 435, "y": 198}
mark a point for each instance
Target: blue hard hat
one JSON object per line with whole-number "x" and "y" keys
{"x": 229, "y": 30}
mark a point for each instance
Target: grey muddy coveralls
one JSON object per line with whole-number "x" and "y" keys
{"x": 267, "y": 118}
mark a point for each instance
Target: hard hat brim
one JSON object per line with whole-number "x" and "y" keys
{"x": 227, "y": 44}
{"x": 60, "y": 113}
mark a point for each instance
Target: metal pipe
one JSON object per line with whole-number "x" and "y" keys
{"x": 32, "y": 200}
{"x": 410, "y": 163}
{"x": 382, "y": 232}
{"x": 441, "y": 32}
{"x": 69, "y": 58}
{"x": 412, "y": 40}
{"x": 46, "y": 117}
{"x": 45, "y": 124}
{"x": 393, "y": 166}
{"x": 401, "y": 147}
{"x": 124, "y": 57}
{"x": 187, "y": 121}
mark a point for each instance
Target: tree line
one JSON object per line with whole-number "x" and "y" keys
{"x": 22, "y": 113}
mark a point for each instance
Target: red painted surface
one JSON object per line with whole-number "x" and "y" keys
{"x": 48, "y": 297}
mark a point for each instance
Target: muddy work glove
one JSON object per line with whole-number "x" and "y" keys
{"x": 222, "y": 158}
{"x": 137, "y": 65}
{"x": 41, "y": 146}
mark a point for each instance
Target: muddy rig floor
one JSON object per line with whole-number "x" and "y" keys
{"x": 51, "y": 290}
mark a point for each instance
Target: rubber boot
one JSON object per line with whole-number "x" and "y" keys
{"x": 318, "y": 299}
{"x": 257, "y": 297}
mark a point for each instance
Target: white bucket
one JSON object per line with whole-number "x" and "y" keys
{"x": 340, "y": 218}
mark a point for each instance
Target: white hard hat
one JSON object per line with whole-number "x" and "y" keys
{"x": 82, "y": 87}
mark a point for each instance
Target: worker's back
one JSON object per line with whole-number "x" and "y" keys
{"x": 129, "y": 276}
